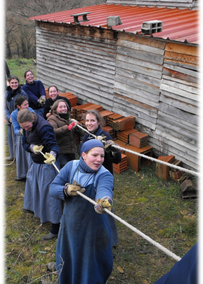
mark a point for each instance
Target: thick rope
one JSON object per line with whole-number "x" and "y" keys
{"x": 165, "y": 250}
{"x": 145, "y": 156}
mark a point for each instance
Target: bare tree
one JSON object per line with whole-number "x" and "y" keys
{"x": 20, "y": 31}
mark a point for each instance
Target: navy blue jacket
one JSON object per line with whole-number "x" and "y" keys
{"x": 42, "y": 133}
{"x": 34, "y": 92}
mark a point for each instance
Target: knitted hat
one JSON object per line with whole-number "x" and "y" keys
{"x": 91, "y": 144}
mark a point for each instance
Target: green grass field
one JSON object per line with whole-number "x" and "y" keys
{"x": 19, "y": 66}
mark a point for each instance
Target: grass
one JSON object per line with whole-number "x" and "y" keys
{"x": 19, "y": 66}
{"x": 151, "y": 205}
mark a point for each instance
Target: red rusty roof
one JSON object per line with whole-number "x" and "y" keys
{"x": 178, "y": 24}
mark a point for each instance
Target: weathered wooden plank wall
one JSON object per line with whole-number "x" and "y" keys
{"x": 192, "y": 4}
{"x": 76, "y": 60}
{"x": 177, "y": 123}
{"x": 139, "y": 64}
{"x": 151, "y": 79}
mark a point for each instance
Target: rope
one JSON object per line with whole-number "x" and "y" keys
{"x": 165, "y": 250}
{"x": 145, "y": 156}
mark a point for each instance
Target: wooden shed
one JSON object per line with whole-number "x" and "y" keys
{"x": 137, "y": 59}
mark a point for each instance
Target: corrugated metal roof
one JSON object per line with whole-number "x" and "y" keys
{"x": 178, "y": 24}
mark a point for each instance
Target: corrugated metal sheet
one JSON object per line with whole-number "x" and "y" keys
{"x": 192, "y": 4}
{"x": 178, "y": 24}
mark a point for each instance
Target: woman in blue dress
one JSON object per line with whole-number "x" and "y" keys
{"x": 23, "y": 158}
{"x": 38, "y": 136}
{"x": 12, "y": 92}
{"x": 84, "y": 247}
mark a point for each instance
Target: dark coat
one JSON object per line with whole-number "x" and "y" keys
{"x": 34, "y": 91}
{"x": 42, "y": 133}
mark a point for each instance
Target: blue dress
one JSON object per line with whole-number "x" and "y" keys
{"x": 9, "y": 104}
{"x": 40, "y": 175}
{"x": 84, "y": 247}
{"x": 23, "y": 158}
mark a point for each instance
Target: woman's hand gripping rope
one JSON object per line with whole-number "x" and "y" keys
{"x": 73, "y": 189}
{"x": 50, "y": 161}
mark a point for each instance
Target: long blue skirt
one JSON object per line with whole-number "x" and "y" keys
{"x": 37, "y": 197}
{"x": 23, "y": 159}
{"x": 84, "y": 248}
{"x": 11, "y": 141}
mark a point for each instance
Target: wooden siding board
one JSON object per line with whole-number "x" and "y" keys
{"x": 179, "y": 92}
{"x": 180, "y": 105}
{"x": 181, "y": 144}
{"x": 175, "y": 128}
{"x": 174, "y": 121}
{"x": 147, "y": 72}
{"x": 179, "y": 75}
{"x": 81, "y": 67}
{"x": 181, "y": 70}
{"x": 182, "y": 49}
{"x": 142, "y": 40}
{"x": 142, "y": 116}
{"x": 179, "y": 57}
{"x": 136, "y": 105}
{"x": 178, "y": 80}
{"x": 179, "y": 155}
{"x": 140, "y": 47}
{"x": 140, "y": 63}
{"x": 179, "y": 114}
{"x": 174, "y": 149}
{"x": 69, "y": 72}
{"x": 77, "y": 30}
{"x": 128, "y": 92}
{"x": 183, "y": 64}
{"x": 136, "y": 75}
{"x": 120, "y": 79}
{"x": 65, "y": 38}
{"x": 139, "y": 120}
{"x": 98, "y": 53}
{"x": 179, "y": 85}
{"x": 154, "y": 58}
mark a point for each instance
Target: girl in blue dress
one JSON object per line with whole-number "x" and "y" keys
{"x": 12, "y": 92}
{"x": 23, "y": 158}
{"x": 38, "y": 136}
{"x": 84, "y": 247}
